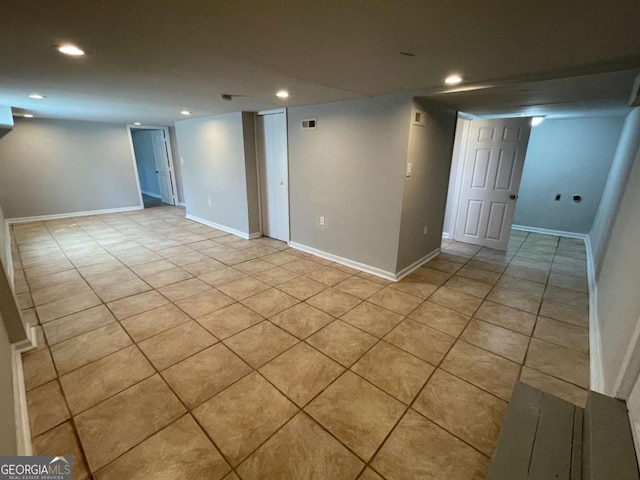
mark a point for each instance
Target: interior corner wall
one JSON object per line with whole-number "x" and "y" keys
{"x": 8, "y": 440}
{"x": 251, "y": 169}
{"x": 59, "y": 166}
{"x": 177, "y": 166}
{"x": 425, "y": 191}
{"x": 214, "y": 171}
{"x": 350, "y": 170}
{"x": 618, "y": 303}
{"x": 570, "y": 156}
{"x": 146, "y": 161}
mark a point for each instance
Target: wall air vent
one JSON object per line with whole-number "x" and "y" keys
{"x": 418, "y": 118}
{"x": 310, "y": 123}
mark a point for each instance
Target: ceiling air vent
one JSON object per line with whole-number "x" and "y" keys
{"x": 310, "y": 123}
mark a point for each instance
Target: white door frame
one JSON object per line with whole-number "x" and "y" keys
{"x": 272, "y": 112}
{"x": 174, "y": 185}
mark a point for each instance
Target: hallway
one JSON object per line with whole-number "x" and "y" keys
{"x": 167, "y": 347}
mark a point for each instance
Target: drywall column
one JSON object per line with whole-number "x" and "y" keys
{"x": 615, "y": 187}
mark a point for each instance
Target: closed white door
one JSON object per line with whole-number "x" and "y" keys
{"x": 491, "y": 179}
{"x": 274, "y": 174}
{"x": 163, "y": 167}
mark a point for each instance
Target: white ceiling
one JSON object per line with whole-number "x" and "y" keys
{"x": 148, "y": 60}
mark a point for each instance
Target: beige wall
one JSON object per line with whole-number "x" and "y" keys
{"x": 425, "y": 191}
{"x": 58, "y": 166}
{"x": 8, "y": 444}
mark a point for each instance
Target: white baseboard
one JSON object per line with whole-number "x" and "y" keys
{"x": 23, "y": 430}
{"x": 151, "y": 194}
{"x": 547, "y": 231}
{"x": 224, "y": 228}
{"x": 416, "y": 265}
{"x": 56, "y": 216}
{"x": 446, "y": 236}
{"x": 181, "y": 204}
{"x": 595, "y": 342}
{"x": 254, "y": 235}
{"x": 378, "y": 272}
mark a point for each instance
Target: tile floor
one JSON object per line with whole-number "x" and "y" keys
{"x": 168, "y": 349}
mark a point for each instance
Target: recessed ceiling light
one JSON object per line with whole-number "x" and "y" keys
{"x": 536, "y": 121}
{"x": 72, "y": 50}
{"x": 137, "y": 123}
{"x": 453, "y": 79}
{"x": 282, "y": 94}
{"x": 185, "y": 112}
{"x": 36, "y": 96}
{"x": 28, "y": 115}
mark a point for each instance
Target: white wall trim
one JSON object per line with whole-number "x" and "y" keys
{"x": 345, "y": 261}
{"x": 9, "y": 254}
{"x": 182, "y": 204}
{"x": 415, "y": 265}
{"x": 57, "y": 216}
{"x": 233, "y": 231}
{"x": 151, "y": 194}
{"x": 446, "y": 236}
{"x": 23, "y": 431}
{"x": 595, "y": 342}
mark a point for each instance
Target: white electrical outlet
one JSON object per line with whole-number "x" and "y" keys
{"x": 426, "y": 229}
{"x": 209, "y": 200}
{"x": 322, "y": 221}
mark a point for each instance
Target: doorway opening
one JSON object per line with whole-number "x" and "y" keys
{"x": 153, "y": 162}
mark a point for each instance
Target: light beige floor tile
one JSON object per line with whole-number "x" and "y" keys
{"x": 53, "y": 279}
{"x": 260, "y": 343}
{"x": 369, "y": 474}
{"x": 334, "y": 302}
{"x": 88, "y": 347}
{"x": 441, "y": 318}
{"x": 569, "y": 297}
{"x": 483, "y": 369}
{"x": 147, "y": 324}
{"x": 244, "y": 415}
{"x": 184, "y": 289}
{"x": 38, "y": 368}
{"x": 302, "y": 320}
{"x": 301, "y": 266}
{"x": 565, "y": 313}
{"x": 62, "y": 439}
{"x": 357, "y": 413}
{"x": 358, "y": 287}
{"x": 301, "y": 373}
{"x": 135, "y": 304}
{"x": 396, "y": 372}
{"x": 521, "y": 285}
{"x": 328, "y": 275}
{"x": 521, "y": 301}
{"x": 275, "y": 276}
{"x": 507, "y": 317}
{"x": 279, "y": 258}
{"x": 456, "y": 300}
{"x": 204, "y": 267}
{"x": 47, "y": 407}
{"x": 416, "y": 287}
{"x": 395, "y": 300}
{"x": 372, "y": 319}
{"x": 203, "y": 303}
{"x": 24, "y": 300}
{"x": 269, "y": 302}
{"x": 229, "y": 320}
{"x": 479, "y": 274}
{"x": 192, "y": 456}
{"x": 243, "y": 288}
{"x": 302, "y": 287}
{"x": 555, "y": 386}
{"x": 527, "y": 273}
{"x": 464, "y": 410}
{"x": 301, "y": 449}
{"x": 559, "y": 362}
{"x": 116, "y": 425}
{"x": 176, "y": 344}
{"x": 205, "y": 374}
{"x": 188, "y": 258}
{"x": 563, "y": 334}
{"x": 469, "y": 286}
{"x": 498, "y": 340}
{"x": 58, "y": 291}
{"x": 491, "y": 265}
{"x": 444, "y": 265}
{"x": 415, "y": 450}
{"x": 77, "y": 324}
{"x": 89, "y": 385}
{"x": 166, "y": 277}
{"x": 343, "y": 343}
{"x": 222, "y": 276}
{"x": 67, "y": 306}
{"x": 253, "y": 266}
{"x": 148, "y": 269}
{"x": 422, "y": 341}
{"x": 569, "y": 282}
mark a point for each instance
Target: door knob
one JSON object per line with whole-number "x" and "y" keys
{"x": 513, "y": 197}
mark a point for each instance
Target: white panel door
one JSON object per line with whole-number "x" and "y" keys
{"x": 274, "y": 174}
{"x": 491, "y": 179}
{"x": 163, "y": 168}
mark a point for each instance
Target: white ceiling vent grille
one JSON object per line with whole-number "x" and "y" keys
{"x": 310, "y": 123}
